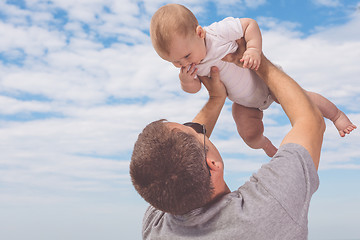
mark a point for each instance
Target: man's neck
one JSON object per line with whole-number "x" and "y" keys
{"x": 219, "y": 193}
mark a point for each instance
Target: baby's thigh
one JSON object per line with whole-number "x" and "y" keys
{"x": 247, "y": 118}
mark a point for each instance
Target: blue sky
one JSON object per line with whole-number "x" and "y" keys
{"x": 80, "y": 80}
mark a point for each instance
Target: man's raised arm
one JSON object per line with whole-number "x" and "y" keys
{"x": 209, "y": 114}
{"x": 307, "y": 122}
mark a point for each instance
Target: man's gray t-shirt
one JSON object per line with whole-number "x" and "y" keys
{"x": 273, "y": 204}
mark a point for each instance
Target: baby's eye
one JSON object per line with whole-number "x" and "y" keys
{"x": 187, "y": 55}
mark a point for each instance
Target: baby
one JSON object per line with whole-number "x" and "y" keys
{"x": 178, "y": 38}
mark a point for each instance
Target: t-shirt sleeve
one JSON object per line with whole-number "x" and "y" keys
{"x": 291, "y": 178}
{"x": 229, "y": 28}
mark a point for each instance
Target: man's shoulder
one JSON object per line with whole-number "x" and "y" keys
{"x": 291, "y": 178}
{"x": 291, "y": 159}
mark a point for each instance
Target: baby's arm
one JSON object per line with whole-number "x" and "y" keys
{"x": 188, "y": 79}
{"x": 252, "y": 35}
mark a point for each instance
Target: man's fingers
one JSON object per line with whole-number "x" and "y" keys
{"x": 238, "y": 54}
{"x": 214, "y": 72}
{"x": 213, "y": 83}
{"x": 241, "y": 46}
{"x": 214, "y": 76}
{"x": 203, "y": 79}
{"x": 229, "y": 58}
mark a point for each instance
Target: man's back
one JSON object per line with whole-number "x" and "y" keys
{"x": 272, "y": 205}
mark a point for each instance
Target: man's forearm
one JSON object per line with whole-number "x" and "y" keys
{"x": 291, "y": 96}
{"x": 209, "y": 114}
{"x": 307, "y": 122}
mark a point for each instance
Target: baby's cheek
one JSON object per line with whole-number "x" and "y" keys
{"x": 177, "y": 65}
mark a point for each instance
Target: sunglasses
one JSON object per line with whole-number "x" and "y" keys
{"x": 199, "y": 128}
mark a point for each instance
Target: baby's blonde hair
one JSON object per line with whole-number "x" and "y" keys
{"x": 169, "y": 20}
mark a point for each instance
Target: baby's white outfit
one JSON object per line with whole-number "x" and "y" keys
{"x": 243, "y": 85}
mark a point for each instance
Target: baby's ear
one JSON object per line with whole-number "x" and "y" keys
{"x": 200, "y": 31}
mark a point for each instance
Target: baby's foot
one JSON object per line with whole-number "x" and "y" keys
{"x": 269, "y": 148}
{"x": 343, "y": 124}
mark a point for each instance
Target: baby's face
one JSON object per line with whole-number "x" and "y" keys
{"x": 186, "y": 51}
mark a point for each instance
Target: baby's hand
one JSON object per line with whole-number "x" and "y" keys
{"x": 187, "y": 74}
{"x": 251, "y": 58}
{"x": 189, "y": 81}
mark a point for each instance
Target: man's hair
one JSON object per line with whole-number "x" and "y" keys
{"x": 168, "y": 169}
{"x": 169, "y": 20}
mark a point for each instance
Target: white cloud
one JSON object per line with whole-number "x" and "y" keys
{"x": 342, "y": 34}
{"x": 32, "y": 40}
{"x": 287, "y": 28}
{"x": 13, "y": 106}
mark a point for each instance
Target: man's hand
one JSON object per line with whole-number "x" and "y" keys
{"x": 245, "y": 58}
{"x": 238, "y": 54}
{"x": 251, "y": 58}
{"x": 213, "y": 84}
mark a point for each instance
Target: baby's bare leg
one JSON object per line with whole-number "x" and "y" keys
{"x": 251, "y": 128}
{"x": 330, "y": 111}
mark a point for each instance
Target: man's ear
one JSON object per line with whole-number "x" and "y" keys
{"x": 214, "y": 165}
{"x": 200, "y": 32}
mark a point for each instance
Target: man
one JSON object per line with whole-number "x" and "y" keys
{"x": 179, "y": 172}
